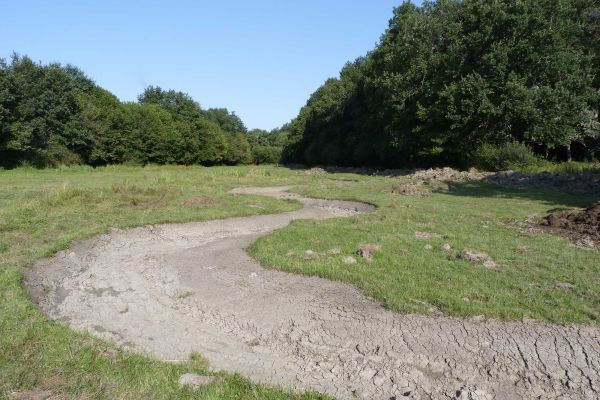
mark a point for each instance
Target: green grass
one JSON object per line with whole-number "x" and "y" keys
{"x": 42, "y": 211}
{"x": 406, "y": 277}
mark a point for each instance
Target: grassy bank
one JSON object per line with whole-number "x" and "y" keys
{"x": 42, "y": 211}
{"x": 407, "y": 276}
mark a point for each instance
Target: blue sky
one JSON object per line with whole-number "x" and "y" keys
{"x": 260, "y": 58}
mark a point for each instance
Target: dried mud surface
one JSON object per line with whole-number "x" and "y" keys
{"x": 173, "y": 289}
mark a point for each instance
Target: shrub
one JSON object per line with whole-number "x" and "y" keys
{"x": 262, "y": 154}
{"x": 510, "y": 155}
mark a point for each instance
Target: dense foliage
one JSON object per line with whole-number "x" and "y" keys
{"x": 53, "y": 114}
{"x": 450, "y": 77}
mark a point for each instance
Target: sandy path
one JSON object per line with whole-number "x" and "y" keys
{"x": 173, "y": 289}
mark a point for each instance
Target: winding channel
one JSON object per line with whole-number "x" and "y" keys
{"x": 170, "y": 290}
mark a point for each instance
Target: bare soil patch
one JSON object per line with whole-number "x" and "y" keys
{"x": 583, "y": 226}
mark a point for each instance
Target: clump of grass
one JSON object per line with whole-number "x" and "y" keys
{"x": 67, "y": 195}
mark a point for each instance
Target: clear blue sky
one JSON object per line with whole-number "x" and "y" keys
{"x": 260, "y": 58}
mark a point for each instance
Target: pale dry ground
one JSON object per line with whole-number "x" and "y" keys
{"x": 174, "y": 289}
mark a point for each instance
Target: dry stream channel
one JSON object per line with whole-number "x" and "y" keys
{"x": 170, "y": 290}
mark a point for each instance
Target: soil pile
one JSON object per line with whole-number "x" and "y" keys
{"x": 448, "y": 174}
{"x": 583, "y": 182}
{"x": 582, "y": 225}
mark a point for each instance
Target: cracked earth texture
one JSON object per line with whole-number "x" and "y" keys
{"x": 171, "y": 290}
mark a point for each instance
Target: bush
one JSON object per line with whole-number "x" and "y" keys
{"x": 511, "y": 155}
{"x": 266, "y": 154}
{"x": 58, "y": 154}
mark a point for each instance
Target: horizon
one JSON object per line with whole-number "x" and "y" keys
{"x": 260, "y": 64}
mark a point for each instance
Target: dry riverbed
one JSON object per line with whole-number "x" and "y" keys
{"x": 171, "y": 290}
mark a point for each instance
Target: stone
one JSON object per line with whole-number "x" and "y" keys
{"x": 367, "y": 251}
{"x": 446, "y": 247}
{"x": 349, "y": 260}
{"x": 428, "y": 247}
{"x": 477, "y": 256}
{"x": 378, "y": 380}
{"x": 195, "y": 381}
{"x": 585, "y": 243}
{"x": 563, "y": 285}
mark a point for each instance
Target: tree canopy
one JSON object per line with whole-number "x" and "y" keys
{"x": 448, "y": 81}
{"x": 451, "y": 76}
{"x": 53, "y": 114}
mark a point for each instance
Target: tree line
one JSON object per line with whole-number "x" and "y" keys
{"x": 451, "y": 80}
{"x": 53, "y": 114}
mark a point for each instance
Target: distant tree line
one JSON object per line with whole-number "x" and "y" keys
{"x": 451, "y": 77}
{"x": 53, "y": 114}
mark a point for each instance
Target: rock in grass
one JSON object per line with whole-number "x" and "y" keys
{"x": 446, "y": 247}
{"x": 366, "y": 251}
{"x": 563, "y": 285}
{"x": 349, "y": 260}
{"x": 477, "y": 256}
{"x": 428, "y": 247}
{"x": 195, "y": 381}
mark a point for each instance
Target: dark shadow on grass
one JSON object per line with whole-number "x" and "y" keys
{"x": 558, "y": 190}
{"x": 366, "y": 171}
{"x": 552, "y": 197}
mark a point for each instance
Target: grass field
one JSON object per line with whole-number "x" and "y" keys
{"x": 42, "y": 211}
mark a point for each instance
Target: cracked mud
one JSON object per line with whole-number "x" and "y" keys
{"x": 170, "y": 290}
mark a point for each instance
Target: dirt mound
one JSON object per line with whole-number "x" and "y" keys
{"x": 448, "y": 174}
{"x": 583, "y": 182}
{"x": 315, "y": 170}
{"x": 426, "y": 181}
{"x": 422, "y": 175}
{"x": 583, "y": 226}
